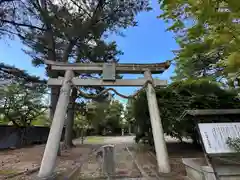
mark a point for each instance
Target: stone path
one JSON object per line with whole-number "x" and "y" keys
{"x": 125, "y": 165}
{"x": 131, "y": 161}
{"x": 145, "y": 162}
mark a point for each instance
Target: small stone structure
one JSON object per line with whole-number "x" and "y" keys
{"x": 108, "y": 160}
{"x": 221, "y": 162}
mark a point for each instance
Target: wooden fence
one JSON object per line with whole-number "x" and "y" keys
{"x": 13, "y": 137}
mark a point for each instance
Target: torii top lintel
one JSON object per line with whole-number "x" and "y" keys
{"x": 122, "y": 68}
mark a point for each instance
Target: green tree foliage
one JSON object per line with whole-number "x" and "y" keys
{"x": 42, "y": 119}
{"x": 208, "y": 34}
{"x": 21, "y": 104}
{"x": 128, "y": 113}
{"x": 96, "y": 113}
{"x": 81, "y": 122}
{"x": 178, "y": 97}
{"x": 105, "y": 116}
{"x": 21, "y": 96}
{"x": 129, "y": 117}
{"x": 114, "y": 116}
{"x": 11, "y": 74}
{"x": 81, "y": 126}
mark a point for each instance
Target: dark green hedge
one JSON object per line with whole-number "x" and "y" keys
{"x": 180, "y": 96}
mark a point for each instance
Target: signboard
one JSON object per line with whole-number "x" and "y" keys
{"x": 215, "y": 135}
{"x": 109, "y": 72}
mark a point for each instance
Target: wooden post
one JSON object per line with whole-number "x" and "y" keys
{"x": 157, "y": 129}
{"x": 51, "y": 149}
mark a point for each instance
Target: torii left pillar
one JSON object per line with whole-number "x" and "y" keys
{"x": 50, "y": 154}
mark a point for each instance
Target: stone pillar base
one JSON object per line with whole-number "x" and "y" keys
{"x": 52, "y": 177}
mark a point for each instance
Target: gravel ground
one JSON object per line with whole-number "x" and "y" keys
{"x": 28, "y": 159}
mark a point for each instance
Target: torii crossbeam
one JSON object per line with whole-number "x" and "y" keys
{"x": 121, "y": 68}
{"x": 109, "y": 71}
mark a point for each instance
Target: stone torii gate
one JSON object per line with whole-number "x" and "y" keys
{"x": 109, "y": 71}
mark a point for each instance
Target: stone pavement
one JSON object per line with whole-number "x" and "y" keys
{"x": 145, "y": 164}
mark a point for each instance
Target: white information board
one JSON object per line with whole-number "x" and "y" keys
{"x": 215, "y": 135}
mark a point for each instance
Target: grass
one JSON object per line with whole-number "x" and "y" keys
{"x": 7, "y": 171}
{"x": 94, "y": 139}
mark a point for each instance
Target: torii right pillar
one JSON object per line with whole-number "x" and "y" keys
{"x": 157, "y": 128}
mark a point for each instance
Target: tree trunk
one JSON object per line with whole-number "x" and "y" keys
{"x": 70, "y": 121}
{"x": 129, "y": 129}
{"x": 68, "y": 130}
{"x": 82, "y": 135}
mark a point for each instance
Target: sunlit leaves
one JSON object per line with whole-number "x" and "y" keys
{"x": 202, "y": 27}
{"x": 234, "y": 61}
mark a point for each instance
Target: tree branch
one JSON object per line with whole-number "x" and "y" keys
{"x": 97, "y": 10}
{"x": 104, "y": 18}
{"x": 22, "y": 25}
{"x": 100, "y": 6}
{"x": 3, "y": 1}
{"x": 36, "y": 115}
{"x": 49, "y": 32}
{"x": 11, "y": 120}
{"x": 73, "y": 42}
{"x": 84, "y": 10}
{"x": 5, "y": 103}
{"x": 68, "y": 50}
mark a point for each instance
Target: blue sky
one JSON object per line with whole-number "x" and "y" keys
{"x": 147, "y": 43}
